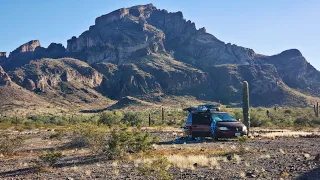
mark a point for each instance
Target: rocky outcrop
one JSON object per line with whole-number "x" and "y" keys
{"x": 5, "y": 80}
{"x": 54, "y": 50}
{"x": 32, "y": 51}
{"x": 26, "y": 48}
{"x": 3, "y": 57}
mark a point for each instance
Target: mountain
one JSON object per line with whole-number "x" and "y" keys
{"x": 147, "y": 53}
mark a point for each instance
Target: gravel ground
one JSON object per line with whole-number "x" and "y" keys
{"x": 264, "y": 158}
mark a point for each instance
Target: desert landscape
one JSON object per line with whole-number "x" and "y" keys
{"x": 97, "y": 147}
{"x": 114, "y": 103}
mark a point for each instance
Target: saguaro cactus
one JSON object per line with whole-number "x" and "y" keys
{"x": 245, "y": 104}
{"x": 162, "y": 115}
{"x": 317, "y": 110}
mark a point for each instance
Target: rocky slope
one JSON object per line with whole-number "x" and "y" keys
{"x": 143, "y": 51}
{"x": 5, "y": 80}
{"x": 65, "y": 81}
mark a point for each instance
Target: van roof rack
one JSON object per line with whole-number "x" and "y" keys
{"x": 196, "y": 110}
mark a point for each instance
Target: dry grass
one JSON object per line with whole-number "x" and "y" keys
{"x": 194, "y": 161}
{"x": 191, "y": 151}
{"x": 184, "y": 162}
{"x": 285, "y": 133}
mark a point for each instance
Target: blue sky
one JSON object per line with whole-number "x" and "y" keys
{"x": 268, "y": 27}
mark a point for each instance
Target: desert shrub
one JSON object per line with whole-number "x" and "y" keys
{"x": 9, "y": 144}
{"x": 259, "y": 118}
{"x": 300, "y": 121}
{"x": 315, "y": 122}
{"x": 122, "y": 142}
{"x": 46, "y": 160}
{"x": 156, "y": 168}
{"x": 287, "y": 111}
{"x": 58, "y": 120}
{"x": 110, "y": 118}
{"x": 242, "y": 140}
{"x": 133, "y": 118}
{"x": 49, "y": 159}
{"x": 59, "y": 135}
{"x": 238, "y": 114}
{"x": 88, "y": 135}
{"x": 17, "y": 120}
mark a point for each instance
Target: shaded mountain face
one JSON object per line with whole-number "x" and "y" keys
{"x": 143, "y": 51}
{"x": 153, "y": 75}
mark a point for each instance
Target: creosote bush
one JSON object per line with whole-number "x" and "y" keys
{"x": 133, "y": 118}
{"x": 46, "y": 160}
{"x": 242, "y": 140}
{"x": 49, "y": 159}
{"x": 122, "y": 142}
{"x": 9, "y": 144}
{"x": 156, "y": 168}
{"x": 59, "y": 135}
{"x": 110, "y": 118}
{"x": 88, "y": 135}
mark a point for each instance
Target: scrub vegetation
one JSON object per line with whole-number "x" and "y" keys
{"x": 130, "y": 144}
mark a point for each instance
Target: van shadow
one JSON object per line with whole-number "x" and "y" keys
{"x": 314, "y": 174}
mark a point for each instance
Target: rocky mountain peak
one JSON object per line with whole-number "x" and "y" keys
{"x": 135, "y": 11}
{"x": 291, "y": 53}
{"x": 56, "y": 47}
{"x": 27, "y": 47}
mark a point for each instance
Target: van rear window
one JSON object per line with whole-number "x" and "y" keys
{"x": 201, "y": 119}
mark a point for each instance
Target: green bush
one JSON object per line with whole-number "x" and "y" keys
{"x": 133, "y": 118}
{"x": 122, "y": 142}
{"x": 110, "y": 118}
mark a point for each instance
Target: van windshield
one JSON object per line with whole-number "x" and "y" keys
{"x": 222, "y": 117}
